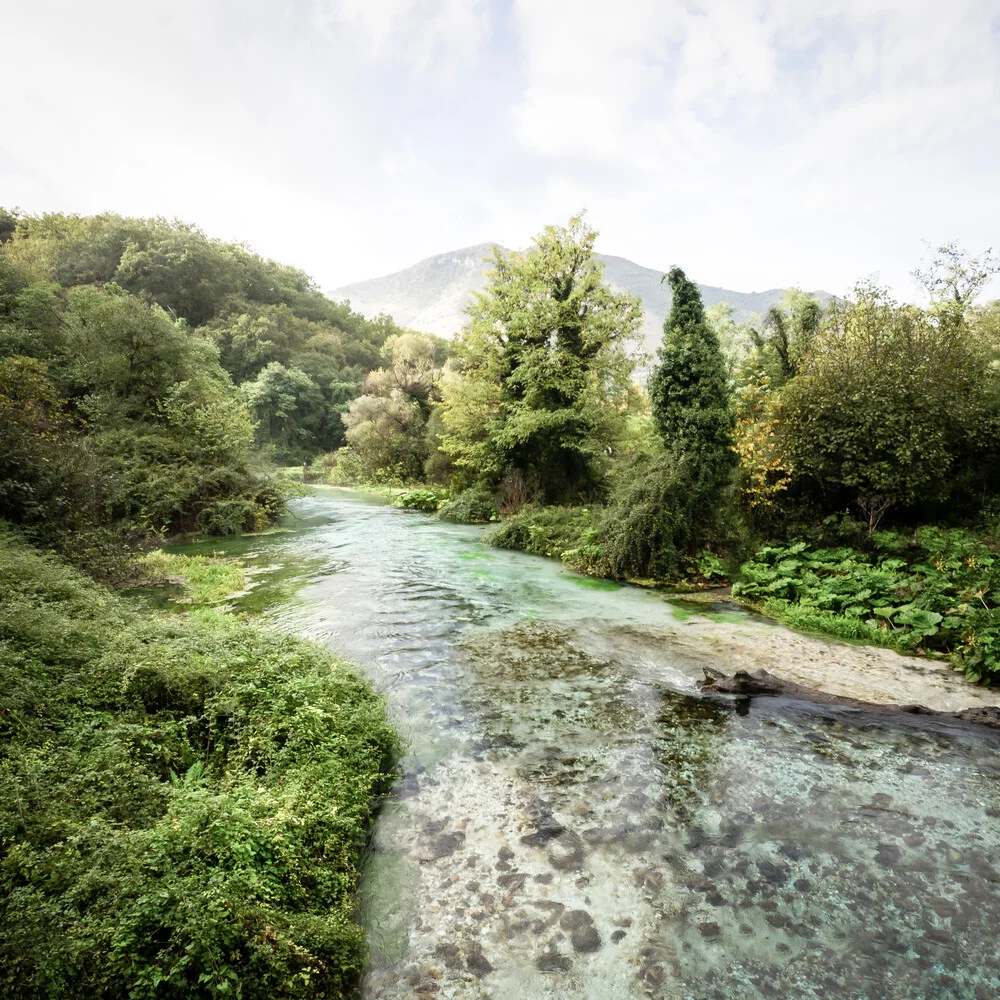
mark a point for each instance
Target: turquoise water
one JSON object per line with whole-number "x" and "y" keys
{"x": 576, "y": 821}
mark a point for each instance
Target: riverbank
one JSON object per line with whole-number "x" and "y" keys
{"x": 926, "y": 596}
{"x": 575, "y": 818}
{"x": 184, "y": 798}
{"x": 849, "y": 670}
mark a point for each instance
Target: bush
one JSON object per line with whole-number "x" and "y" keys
{"x": 345, "y": 467}
{"x": 542, "y": 531}
{"x": 661, "y": 516}
{"x": 893, "y": 410}
{"x": 183, "y": 801}
{"x": 426, "y": 499}
{"x": 472, "y": 506}
{"x": 928, "y": 592}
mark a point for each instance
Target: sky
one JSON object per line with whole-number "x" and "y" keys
{"x": 755, "y": 143}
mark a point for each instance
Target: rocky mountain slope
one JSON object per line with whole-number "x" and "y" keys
{"x": 430, "y": 295}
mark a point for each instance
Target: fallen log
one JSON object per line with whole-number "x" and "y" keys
{"x": 761, "y": 684}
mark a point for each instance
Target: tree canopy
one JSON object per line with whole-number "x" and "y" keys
{"x": 543, "y": 381}
{"x": 688, "y": 391}
{"x": 891, "y": 409}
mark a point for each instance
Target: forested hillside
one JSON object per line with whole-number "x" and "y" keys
{"x": 147, "y": 370}
{"x": 184, "y": 797}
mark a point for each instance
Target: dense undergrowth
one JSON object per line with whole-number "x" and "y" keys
{"x": 183, "y": 798}
{"x": 544, "y": 531}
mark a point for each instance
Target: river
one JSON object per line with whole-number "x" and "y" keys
{"x": 575, "y": 821}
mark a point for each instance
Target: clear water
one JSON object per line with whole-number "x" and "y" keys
{"x": 575, "y": 821}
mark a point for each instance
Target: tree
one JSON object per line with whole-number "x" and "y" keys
{"x": 890, "y": 410}
{"x": 8, "y": 222}
{"x": 953, "y": 278}
{"x": 544, "y": 376}
{"x": 688, "y": 390}
{"x": 764, "y": 468}
{"x": 386, "y": 425}
{"x": 675, "y": 501}
{"x": 47, "y": 477}
{"x": 386, "y": 435}
{"x": 126, "y": 354}
{"x": 289, "y": 408}
{"x": 735, "y": 339}
{"x": 785, "y": 336}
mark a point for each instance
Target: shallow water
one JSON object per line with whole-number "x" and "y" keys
{"x": 575, "y": 821}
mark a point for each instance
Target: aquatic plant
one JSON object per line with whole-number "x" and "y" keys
{"x": 429, "y": 499}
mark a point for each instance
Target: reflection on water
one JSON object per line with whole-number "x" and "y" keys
{"x": 575, "y": 821}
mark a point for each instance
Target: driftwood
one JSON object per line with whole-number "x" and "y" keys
{"x": 763, "y": 684}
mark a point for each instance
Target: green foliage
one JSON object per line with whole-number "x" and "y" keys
{"x": 205, "y": 292}
{"x": 785, "y": 337}
{"x": 345, "y": 467}
{"x": 935, "y": 591}
{"x": 688, "y": 392}
{"x": 543, "y": 531}
{"x": 476, "y": 505}
{"x": 891, "y": 411}
{"x": 543, "y": 381}
{"x": 205, "y": 579}
{"x": 388, "y": 425}
{"x": 289, "y": 411}
{"x": 183, "y": 801}
{"x": 661, "y": 513}
{"x": 736, "y": 340}
{"x": 426, "y": 499}
{"x": 671, "y": 503}
{"x": 120, "y": 340}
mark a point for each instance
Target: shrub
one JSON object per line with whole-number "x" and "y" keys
{"x": 892, "y": 410}
{"x": 661, "y": 516}
{"x": 542, "y": 531}
{"x": 183, "y": 801}
{"x": 345, "y": 467}
{"x": 472, "y": 506}
{"x": 928, "y": 592}
{"x": 426, "y": 499}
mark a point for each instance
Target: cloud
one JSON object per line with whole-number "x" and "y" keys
{"x": 415, "y": 34}
{"x": 754, "y": 114}
{"x": 756, "y": 142}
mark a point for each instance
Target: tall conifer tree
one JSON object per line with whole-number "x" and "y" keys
{"x": 688, "y": 390}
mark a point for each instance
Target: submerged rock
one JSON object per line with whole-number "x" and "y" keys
{"x": 573, "y": 920}
{"x": 447, "y": 843}
{"x": 586, "y": 939}
{"x": 552, "y": 961}
{"x": 476, "y": 962}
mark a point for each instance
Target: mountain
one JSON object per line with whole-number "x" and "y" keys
{"x": 430, "y": 295}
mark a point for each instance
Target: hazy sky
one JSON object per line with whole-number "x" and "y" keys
{"x": 755, "y": 143}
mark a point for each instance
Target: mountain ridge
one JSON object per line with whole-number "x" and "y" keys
{"x": 430, "y": 295}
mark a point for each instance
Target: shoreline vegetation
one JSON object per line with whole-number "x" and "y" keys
{"x": 185, "y": 797}
{"x": 835, "y": 462}
{"x": 817, "y": 659}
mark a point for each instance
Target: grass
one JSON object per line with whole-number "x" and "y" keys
{"x": 206, "y": 579}
{"x": 184, "y": 800}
